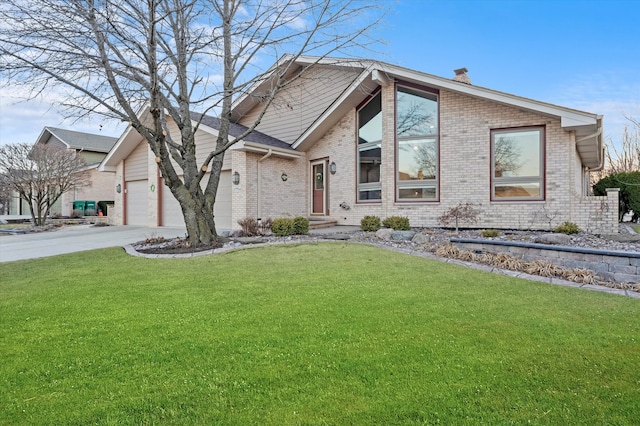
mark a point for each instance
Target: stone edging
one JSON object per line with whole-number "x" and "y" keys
{"x": 555, "y": 281}
{"x": 609, "y": 265}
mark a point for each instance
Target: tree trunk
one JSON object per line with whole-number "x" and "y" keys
{"x": 197, "y": 213}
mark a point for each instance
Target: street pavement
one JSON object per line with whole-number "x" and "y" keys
{"x": 76, "y": 238}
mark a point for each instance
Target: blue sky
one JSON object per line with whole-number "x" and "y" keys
{"x": 582, "y": 54}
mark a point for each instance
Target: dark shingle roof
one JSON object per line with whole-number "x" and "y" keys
{"x": 83, "y": 141}
{"x": 238, "y": 129}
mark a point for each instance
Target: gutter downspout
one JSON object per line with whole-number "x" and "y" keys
{"x": 258, "y": 198}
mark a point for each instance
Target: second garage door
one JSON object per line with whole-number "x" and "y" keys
{"x": 137, "y": 203}
{"x": 172, "y": 214}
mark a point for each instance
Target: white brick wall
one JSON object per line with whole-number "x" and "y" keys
{"x": 465, "y": 125}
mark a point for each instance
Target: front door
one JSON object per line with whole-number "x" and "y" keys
{"x": 318, "y": 188}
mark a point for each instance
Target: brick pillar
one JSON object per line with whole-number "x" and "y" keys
{"x": 613, "y": 199}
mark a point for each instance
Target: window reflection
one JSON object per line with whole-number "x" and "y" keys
{"x": 417, "y": 144}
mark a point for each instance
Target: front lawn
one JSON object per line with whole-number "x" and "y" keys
{"x": 307, "y": 334}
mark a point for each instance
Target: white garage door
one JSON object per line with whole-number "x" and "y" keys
{"x": 172, "y": 214}
{"x": 137, "y": 203}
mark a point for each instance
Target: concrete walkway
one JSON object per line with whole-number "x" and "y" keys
{"x": 77, "y": 238}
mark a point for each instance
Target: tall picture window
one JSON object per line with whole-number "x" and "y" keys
{"x": 370, "y": 150}
{"x": 517, "y": 164}
{"x": 417, "y": 154}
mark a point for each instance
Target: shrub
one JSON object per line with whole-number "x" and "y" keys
{"x": 370, "y": 223}
{"x": 265, "y": 226}
{"x": 300, "y": 225}
{"x": 282, "y": 227}
{"x": 77, "y": 214}
{"x": 397, "y": 223}
{"x": 629, "y": 198}
{"x": 490, "y": 233}
{"x": 459, "y": 213}
{"x": 248, "y": 226}
{"x": 567, "y": 228}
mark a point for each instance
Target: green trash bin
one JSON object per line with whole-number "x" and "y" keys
{"x": 79, "y": 205}
{"x": 90, "y": 205}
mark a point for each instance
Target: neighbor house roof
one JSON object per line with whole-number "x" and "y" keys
{"x": 77, "y": 140}
{"x": 587, "y": 126}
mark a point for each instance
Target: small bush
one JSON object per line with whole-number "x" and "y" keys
{"x": 397, "y": 223}
{"x": 282, "y": 227}
{"x": 490, "y": 233}
{"x": 248, "y": 226}
{"x": 265, "y": 226}
{"x": 300, "y": 225}
{"x": 460, "y": 213}
{"x": 370, "y": 223}
{"x": 567, "y": 228}
{"x": 77, "y": 214}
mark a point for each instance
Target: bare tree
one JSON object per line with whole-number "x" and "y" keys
{"x": 40, "y": 174}
{"x": 624, "y": 157}
{"x": 507, "y": 156}
{"x": 112, "y": 57}
{"x": 627, "y": 158}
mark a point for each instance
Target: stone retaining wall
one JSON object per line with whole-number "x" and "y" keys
{"x": 623, "y": 267}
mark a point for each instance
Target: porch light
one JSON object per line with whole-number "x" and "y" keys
{"x": 118, "y": 188}
{"x": 333, "y": 168}
{"x": 235, "y": 178}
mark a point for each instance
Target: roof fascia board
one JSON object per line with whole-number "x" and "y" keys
{"x": 113, "y": 155}
{"x": 263, "y": 149}
{"x": 569, "y": 117}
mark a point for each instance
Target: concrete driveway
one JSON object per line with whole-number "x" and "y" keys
{"x": 77, "y": 238}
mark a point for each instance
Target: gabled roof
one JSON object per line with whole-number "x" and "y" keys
{"x": 255, "y": 141}
{"x": 587, "y": 126}
{"x": 237, "y": 129}
{"x": 77, "y": 140}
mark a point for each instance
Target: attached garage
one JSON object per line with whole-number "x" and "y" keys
{"x": 137, "y": 203}
{"x": 172, "y": 214}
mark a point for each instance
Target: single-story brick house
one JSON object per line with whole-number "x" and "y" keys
{"x": 354, "y": 138}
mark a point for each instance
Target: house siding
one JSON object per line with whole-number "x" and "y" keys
{"x": 300, "y": 104}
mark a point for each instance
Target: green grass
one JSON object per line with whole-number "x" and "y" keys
{"x": 636, "y": 228}
{"x": 307, "y": 334}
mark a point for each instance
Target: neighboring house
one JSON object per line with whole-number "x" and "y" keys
{"x": 93, "y": 149}
{"x": 355, "y": 138}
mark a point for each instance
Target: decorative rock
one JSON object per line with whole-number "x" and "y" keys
{"x": 384, "y": 234}
{"x": 402, "y": 235}
{"x": 251, "y": 240}
{"x": 420, "y": 238}
{"x": 557, "y": 239}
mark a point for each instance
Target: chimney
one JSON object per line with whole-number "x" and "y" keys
{"x": 461, "y": 76}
